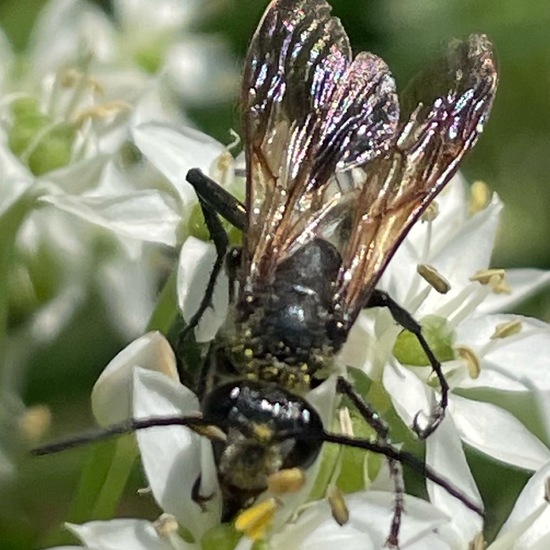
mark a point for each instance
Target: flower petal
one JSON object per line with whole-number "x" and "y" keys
{"x": 112, "y": 393}
{"x": 195, "y": 266}
{"x": 175, "y": 151}
{"x": 523, "y": 283}
{"x": 409, "y": 395}
{"x": 173, "y": 456}
{"x": 508, "y": 364}
{"x": 528, "y": 504}
{"x": 498, "y": 433}
{"x": 445, "y": 455}
{"x": 368, "y": 527}
{"x": 144, "y": 215}
{"x": 134, "y": 534}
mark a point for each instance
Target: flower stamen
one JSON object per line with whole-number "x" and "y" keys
{"x": 337, "y": 503}
{"x": 495, "y": 278}
{"x": 470, "y": 360}
{"x": 256, "y": 520}
{"x": 433, "y": 278}
{"x": 289, "y": 480}
{"x": 480, "y": 196}
{"x": 504, "y": 330}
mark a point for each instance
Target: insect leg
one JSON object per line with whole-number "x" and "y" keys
{"x": 382, "y": 431}
{"x": 218, "y": 199}
{"x": 215, "y": 201}
{"x": 381, "y": 299}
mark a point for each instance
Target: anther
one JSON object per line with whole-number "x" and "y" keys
{"x": 434, "y": 278}
{"x": 470, "y": 359}
{"x": 256, "y": 520}
{"x": 338, "y": 506}
{"x": 480, "y": 196}
{"x": 504, "y": 330}
{"x": 289, "y": 480}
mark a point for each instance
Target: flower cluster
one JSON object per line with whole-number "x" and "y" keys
{"x": 482, "y": 348}
{"x": 93, "y": 135}
{"x": 68, "y": 105}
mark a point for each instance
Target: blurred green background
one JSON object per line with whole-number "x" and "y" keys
{"x": 513, "y": 157}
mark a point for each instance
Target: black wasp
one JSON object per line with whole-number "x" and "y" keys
{"x": 337, "y": 172}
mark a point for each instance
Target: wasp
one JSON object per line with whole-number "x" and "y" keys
{"x": 338, "y": 170}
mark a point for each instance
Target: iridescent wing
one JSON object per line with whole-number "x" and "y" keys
{"x": 309, "y": 111}
{"x": 443, "y": 113}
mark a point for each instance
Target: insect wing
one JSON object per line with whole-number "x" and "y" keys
{"x": 442, "y": 123}
{"x": 309, "y": 110}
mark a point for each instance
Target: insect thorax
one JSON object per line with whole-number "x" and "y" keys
{"x": 285, "y": 332}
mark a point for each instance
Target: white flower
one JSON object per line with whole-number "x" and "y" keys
{"x": 142, "y": 39}
{"x": 459, "y": 245}
{"x": 129, "y": 534}
{"x": 141, "y": 382}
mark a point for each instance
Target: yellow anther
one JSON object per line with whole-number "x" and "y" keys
{"x": 470, "y": 359}
{"x": 221, "y": 168}
{"x": 480, "y": 196}
{"x": 166, "y": 525}
{"x": 338, "y": 505}
{"x": 503, "y": 330}
{"x": 72, "y": 77}
{"x": 256, "y": 520}
{"x": 104, "y": 110}
{"x": 501, "y": 286}
{"x": 488, "y": 276}
{"x": 35, "y": 422}
{"x": 286, "y": 481}
{"x": 434, "y": 278}
{"x": 431, "y": 212}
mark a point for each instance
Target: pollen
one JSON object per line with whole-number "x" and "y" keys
{"x": 256, "y": 520}
{"x": 262, "y": 432}
{"x": 434, "y": 278}
{"x": 289, "y": 480}
{"x": 470, "y": 359}
{"x": 504, "y": 330}
{"x": 480, "y": 196}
